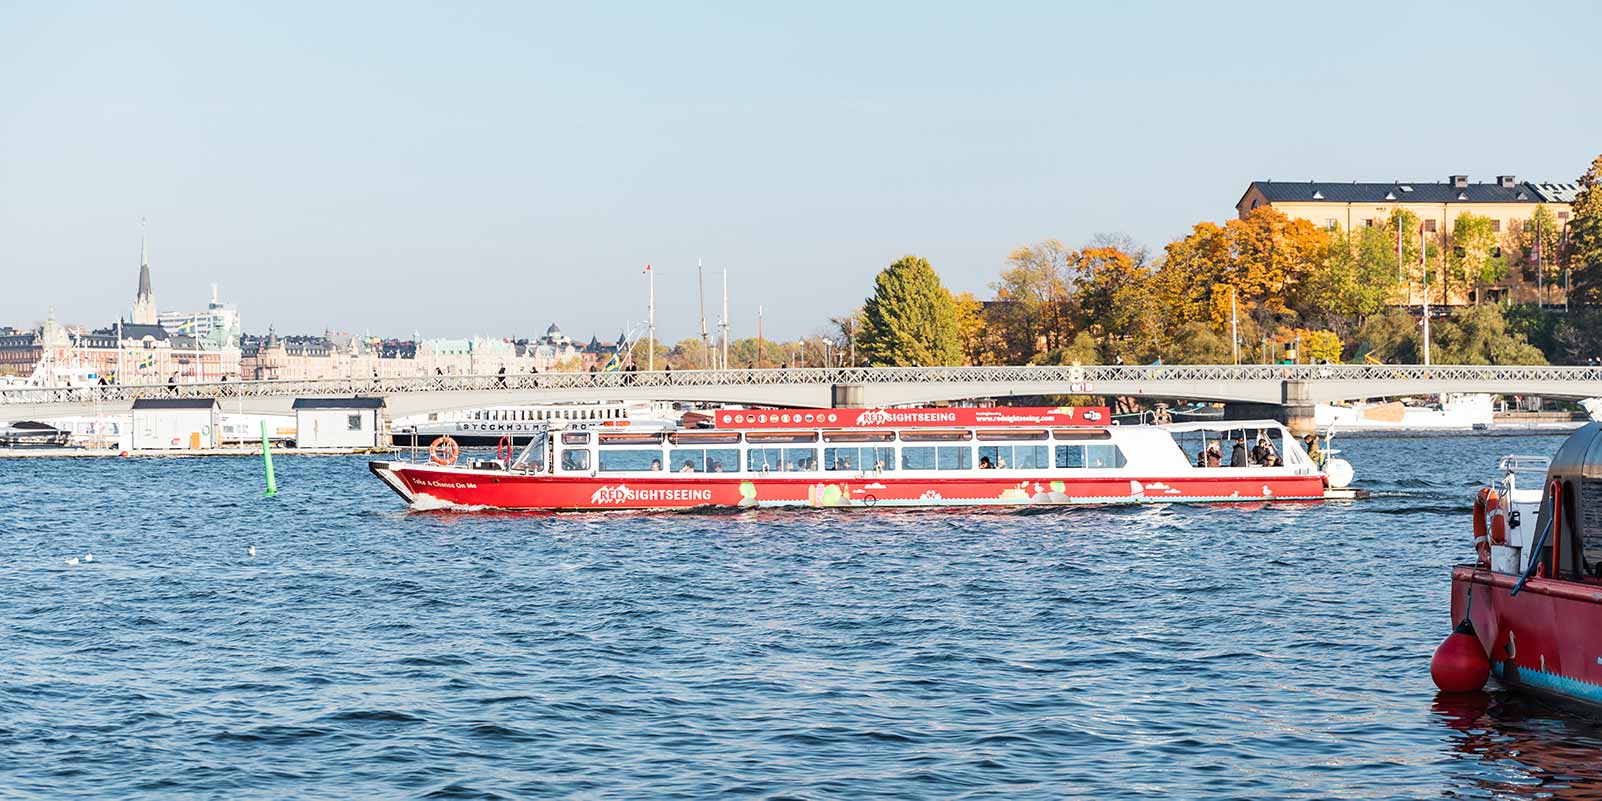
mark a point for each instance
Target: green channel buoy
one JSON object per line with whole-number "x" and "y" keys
{"x": 267, "y": 462}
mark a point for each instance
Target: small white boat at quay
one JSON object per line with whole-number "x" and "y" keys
{"x": 1450, "y": 412}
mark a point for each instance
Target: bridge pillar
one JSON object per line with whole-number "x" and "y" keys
{"x": 847, "y": 396}
{"x": 1297, "y": 407}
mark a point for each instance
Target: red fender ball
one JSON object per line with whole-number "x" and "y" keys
{"x": 1460, "y": 664}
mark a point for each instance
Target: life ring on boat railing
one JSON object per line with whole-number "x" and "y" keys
{"x": 1482, "y": 540}
{"x": 443, "y": 451}
{"x": 1496, "y": 508}
{"x": 503, "y": 450}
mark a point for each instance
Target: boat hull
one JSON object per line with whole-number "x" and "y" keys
{"x": 1547, "y": 639}
{"x": 433, "y": 486}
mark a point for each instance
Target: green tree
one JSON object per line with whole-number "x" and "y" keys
{"x": 1356, "y": 279}
{"x": 1033, "y": 293}
{"x": 911, "y": 320}
{"x": 1199, "y": 343}
{"x": 1476, "y": 258}
{"x": 1584, "y": 250}
{"x": 1479, "y": 335}
{"x": 1393, "y": 337}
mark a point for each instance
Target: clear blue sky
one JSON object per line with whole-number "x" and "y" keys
{"x": 490, "y": 168}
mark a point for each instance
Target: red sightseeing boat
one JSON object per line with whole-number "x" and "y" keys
{"x": 869, "y": 458}
{"x": 1529, "y": 610}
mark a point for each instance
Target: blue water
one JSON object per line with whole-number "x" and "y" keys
{"x": 368, "y": 652}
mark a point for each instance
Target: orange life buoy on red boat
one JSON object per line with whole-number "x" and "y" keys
{"x": 443, "y": 451}
{"x": 1497, "y": 511}
{"x": 1482, "y": 541}
{"x": 503, "y": 450}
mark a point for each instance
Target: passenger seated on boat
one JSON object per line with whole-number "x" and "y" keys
{"x": 689, "y": 467}
{"x": 717, "y": 467}
{"x": 1215, "y": 454}
{"x": 1001, "y": 463}
{"x": 984, "y": 463}
{"x": 1260, "y": 452}
{"x": 656, "y": 465}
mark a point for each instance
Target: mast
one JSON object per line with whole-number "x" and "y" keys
{"x": 650, "y": 325}
{"x": 759, "y": 334}
{"x": 700, "y": 294}
{"x": 723, "y": 322}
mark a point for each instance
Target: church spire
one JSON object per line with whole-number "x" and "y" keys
{"x": 144, "y": 308}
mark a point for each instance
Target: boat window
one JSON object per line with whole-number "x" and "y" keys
{"x": 576, "y": 438}
{"x": 918, "y": 458}
{"x": 1104, "y": 456}
{"x": 936, "y": 436}
{"x": 1090, "y": 456}
{"x": 1013, "y": 436}
{"x": 1081, "y": 433}
{"x": 782, "y": 436}
{"x": 704, "y": 460}
{"x": 706, "y": 438}
{"x": 618, "y": 460}
{"x": 859, "y": 459}
{"x": 575, "y": 459}
{"x": 781, "y": 460}
{"x": 1016, "y": 457}
{"x": 955, "y": 457}
{"x": 859, "y": 436}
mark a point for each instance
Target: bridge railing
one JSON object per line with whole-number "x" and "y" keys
{"x": 1088, "y": 375}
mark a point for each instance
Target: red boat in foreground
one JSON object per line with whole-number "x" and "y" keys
{"x": 1534, "y": 596}
{"x": 869, "y": 458}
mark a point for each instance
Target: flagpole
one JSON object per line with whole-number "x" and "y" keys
{"x": 1398, "y": 248}
{"x": 700, "y": 294}
{"x": 759, "y": 334}
{"x": 724, "y": 322}
{"x": 1423, "y": 260}
{"x": 1234, "y": 327}
{"x": 1540, "y": 270}
{"x": 650, "y": 310}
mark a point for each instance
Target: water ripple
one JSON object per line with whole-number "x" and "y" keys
{"x": 365, "y": 651}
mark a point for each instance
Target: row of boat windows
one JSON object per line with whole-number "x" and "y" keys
{"x": 772, "y": 437}
{"x": 518, "y": 415}
{"x": 854, "y": 459}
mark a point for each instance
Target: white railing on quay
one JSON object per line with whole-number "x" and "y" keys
{"x": 1087, "y": 374}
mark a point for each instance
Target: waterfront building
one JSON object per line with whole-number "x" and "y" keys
{"x": 338, "y": 355}
{"x": 339, "y": 423}
{"x": 1508, "y": 202}
{"x": 216, "y": 327}
{"x": 175, "y": 424}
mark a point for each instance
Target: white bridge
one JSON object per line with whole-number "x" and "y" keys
{"x": 1294, "y": 387}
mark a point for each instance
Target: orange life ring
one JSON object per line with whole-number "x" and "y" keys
{"x": 443, "y": 451}
{"x": 1482, "y": 541}
{"x": 1498, "y": 517}
{"x": 503, "y": 450}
